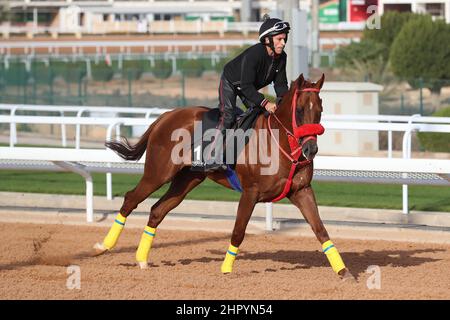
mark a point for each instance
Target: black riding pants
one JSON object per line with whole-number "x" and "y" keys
{"x": 227, "y": 103}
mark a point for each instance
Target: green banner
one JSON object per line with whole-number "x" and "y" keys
{"x": 329, "y": 11}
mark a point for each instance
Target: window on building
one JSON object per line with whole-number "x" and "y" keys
{"x": 400, "y": 7}
{"x": 435, "y": 9}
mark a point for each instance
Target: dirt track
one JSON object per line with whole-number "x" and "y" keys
{"x": 186, "y": 264}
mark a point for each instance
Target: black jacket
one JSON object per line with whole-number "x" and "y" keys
{"x": 254, "y": 69}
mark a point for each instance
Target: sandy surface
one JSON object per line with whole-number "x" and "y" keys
{"x": 186, "y": 265}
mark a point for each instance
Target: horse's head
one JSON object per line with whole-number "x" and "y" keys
{"x": 306, "y": 114}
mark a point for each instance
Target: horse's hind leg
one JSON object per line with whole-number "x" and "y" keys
{"x": 149, "y": 183}
{"x": 304, "y": 199}
{"x": 181, "y": 185}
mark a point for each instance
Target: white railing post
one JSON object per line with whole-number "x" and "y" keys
{"x": 89, "y": 199}
{"x": 89, "y": 186}
{"x": 109, "y": 174}
{"x": 269, "y": 216}
{"x": 12, "y": 129}
{"x": 78, "y": 130}
{"x": 63, "y": 132}
{"x": 406, "y": 145}
{"x": 389, "y": 142}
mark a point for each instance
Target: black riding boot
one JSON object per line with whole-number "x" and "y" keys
{"x": 218, "y": 162}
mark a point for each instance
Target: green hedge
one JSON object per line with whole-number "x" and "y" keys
{"x": 421, "y": 49}
{"x": 191, "y": 68}
{"x": 133, "y": 69}
{"x": 102, "y": 72}
{"x": 233, "y": 54}
{"x": 207, "y": 64}
{"x": 58, "y": 67}
{"x": 72, "y": 72}
{"x": 75, "y": 72}
{"x": 436, "y": 141}
{"x": 220, "y": 65}
{"x": 42, "y": 73}
{"x": 162, "y": 69}
{"x": 364, "y": 51}
{"x": 16, "y": 74}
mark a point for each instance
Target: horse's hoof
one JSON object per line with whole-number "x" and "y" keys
{"x": 143, "y": 265}
{"x": 99, "y": 249}
{"x": 226, "y": 270}
{"x": 346, "y": 276}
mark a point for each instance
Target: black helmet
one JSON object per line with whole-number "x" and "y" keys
{"x": 271, "y": 27}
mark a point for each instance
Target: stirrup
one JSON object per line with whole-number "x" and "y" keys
{"x": 215, "y": 167}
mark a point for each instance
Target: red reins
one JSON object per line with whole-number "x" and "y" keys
{"x": 307, "y": 131}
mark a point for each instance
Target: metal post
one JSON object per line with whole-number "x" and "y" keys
{"x": 299, "y": 41}
{"x": 297, "y": 53}
{"x": 407, "y": 155}
{"x": 315, "y": 46}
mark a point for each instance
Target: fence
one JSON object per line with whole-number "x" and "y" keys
{"x": 166, "y": 79}
{"x": 79, "y": 112}
{"x": 369, "y": 170}
{"x": 169, "y": 79}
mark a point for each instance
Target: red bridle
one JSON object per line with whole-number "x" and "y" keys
{"x": 306, "y": 131}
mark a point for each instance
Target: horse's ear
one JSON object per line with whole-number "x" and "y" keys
{"x": 292, "y": 85}
{"x": 319, "y": 83}
{"x": 300, "y": 81}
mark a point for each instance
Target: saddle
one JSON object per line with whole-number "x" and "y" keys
{"x": 210, "y": 121}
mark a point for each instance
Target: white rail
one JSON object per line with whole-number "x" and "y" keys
{"x": 404, "y": 124}
{"x": 69, "y": 159}
{"x": 80, "y": 111}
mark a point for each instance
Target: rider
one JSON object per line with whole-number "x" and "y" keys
{"x": 255, "y": 68}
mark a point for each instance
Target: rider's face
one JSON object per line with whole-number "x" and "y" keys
{"x": 279, "y": 42}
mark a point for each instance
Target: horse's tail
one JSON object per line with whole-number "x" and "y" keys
{"x": 131, "y": 152}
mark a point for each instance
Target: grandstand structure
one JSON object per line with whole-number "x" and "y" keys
{"x": 109, "y": 16}
{"x": 340, "y": 21}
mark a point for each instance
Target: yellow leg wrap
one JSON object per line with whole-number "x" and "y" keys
{"x": 333, "y": 256}
{"x": 227, "y": 265}
{"x": 145, "y": 244}
{"x": 114, "y": 233}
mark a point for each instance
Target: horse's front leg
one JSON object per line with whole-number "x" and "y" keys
{"x": 305, "y": 200}
{"x": 245, "y": 210}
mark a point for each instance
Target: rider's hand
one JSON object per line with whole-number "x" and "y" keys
{"x": 271, "y": 107}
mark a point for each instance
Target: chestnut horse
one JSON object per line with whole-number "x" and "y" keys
{"x": 300, "y": 108}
